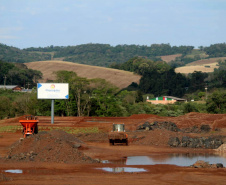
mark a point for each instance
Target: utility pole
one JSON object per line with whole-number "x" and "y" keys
{"x": 4, "y": 81}
{"x": 28, "y": 85}
{"x": 206, "y": 91}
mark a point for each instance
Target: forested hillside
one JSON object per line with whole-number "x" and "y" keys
{"x": 12, "y": 54}
{"x": 106, "y": 55}
{"x": 159, "y": 79}
{"x": 18, "y": 74}
{"x": 96, "y": 97}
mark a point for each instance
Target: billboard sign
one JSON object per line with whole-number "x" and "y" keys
{"x": 52, "y": 91}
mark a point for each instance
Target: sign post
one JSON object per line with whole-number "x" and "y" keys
{"x": 52, "y": 91}
{"x": 52, "y": 111}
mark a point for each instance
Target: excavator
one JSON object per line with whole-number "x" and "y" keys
{"x": 118, "y": 135}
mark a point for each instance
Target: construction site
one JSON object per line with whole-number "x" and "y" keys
{"x": 140, "y": 149}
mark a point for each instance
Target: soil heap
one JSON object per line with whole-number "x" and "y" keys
{"x": 54, "y": 146}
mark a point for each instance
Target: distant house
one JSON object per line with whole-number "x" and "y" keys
{"x": 26, "y": 90}
{"x": 165, "y": 100}
{"x": 11, "y": 87}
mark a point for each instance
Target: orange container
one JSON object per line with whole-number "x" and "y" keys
{"x": 29, "y": 127}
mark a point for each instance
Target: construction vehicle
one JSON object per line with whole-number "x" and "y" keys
{"x": 30, "y": 125}
{"x": 118, "y": 135}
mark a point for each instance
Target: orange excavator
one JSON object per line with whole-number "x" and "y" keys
{"x": 30, "y": 125}
{"x": 118, "y": 135}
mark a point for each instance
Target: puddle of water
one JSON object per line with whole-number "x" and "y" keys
{"x": 173, "y": 159}
{"x": 14, "y": 171}
{"x": 36, "y": 171}
{"x": 123, "y": 169}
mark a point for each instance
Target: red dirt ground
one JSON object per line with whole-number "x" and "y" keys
{"x": 55, "y": 157}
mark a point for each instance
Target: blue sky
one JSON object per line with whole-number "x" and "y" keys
{"x": 40, "y": 23}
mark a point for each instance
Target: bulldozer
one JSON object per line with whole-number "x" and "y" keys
{"x": 118, "y": 135}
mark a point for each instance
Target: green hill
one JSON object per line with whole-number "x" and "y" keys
{"x": 106, "y": 55}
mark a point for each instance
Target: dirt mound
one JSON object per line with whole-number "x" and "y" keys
{"x": 203, "y": 164}
{"x": 158, "y": 137}
{"x": 3, "y": 178}
{"x": 93, "y": 137}
{"x": 143, "y": 116}
{"x": 54, "y": 146}
{"x": 13, "y": 120}
{"x": 195, "y": 119}
{"x": 222, "y": 148}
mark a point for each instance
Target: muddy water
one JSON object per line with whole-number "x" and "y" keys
{"x": 173, "y": 159}
{"x": 14, "y": 171}
{"x": 123, "y": 169}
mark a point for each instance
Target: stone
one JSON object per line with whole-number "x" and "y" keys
{"x": 174, "y": 141}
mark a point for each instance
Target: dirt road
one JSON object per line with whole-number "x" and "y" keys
{"x": 54, "y": 157}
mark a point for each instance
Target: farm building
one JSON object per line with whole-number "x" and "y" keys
{"x": 11, "y": 87}
{"x": 165, "y": 100}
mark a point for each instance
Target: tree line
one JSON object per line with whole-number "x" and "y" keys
{"x": 159, "y": 79}
{"x": 105, "y": 54}
{"x": 96, "y": 97}
{"x": 13, "y": 54}
{"x": 18, "y": 74}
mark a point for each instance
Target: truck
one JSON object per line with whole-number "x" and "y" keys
{"x": 118, "y": 135}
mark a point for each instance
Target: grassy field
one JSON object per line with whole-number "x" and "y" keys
{"x": 207, "y": 68}
{"x": 196, "y": 52}
{"x": 206, "y": 61}
{"x": 204, "y": 65}
{"x": 18, "y": 128}
{"x": 169, "y": 58}
{"x": 119, "y": 78}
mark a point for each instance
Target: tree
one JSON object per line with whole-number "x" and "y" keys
{"x": 216, "y": 103}
{"x": 104, "y": 98}
{"x": 5, "y": 107}
{"x": 197, "y": 81}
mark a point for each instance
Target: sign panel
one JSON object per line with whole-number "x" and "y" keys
{"x": 52, "y": 91}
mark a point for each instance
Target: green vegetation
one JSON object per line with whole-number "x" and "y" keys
{"x": 10, "y": 129}
{"x": 71, "y": 130}
{"x": 18, "y": 74}
{"x": 159, "y": 79}
{"x": 105, "y": 55}
{"x": 216, "y": 50}
{"x": 12, "y": 54}
{"x": 96, "y": 97}
{"x": 216, "y": 102}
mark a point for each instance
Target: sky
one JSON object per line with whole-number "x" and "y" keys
{"x": 41, "y": 23}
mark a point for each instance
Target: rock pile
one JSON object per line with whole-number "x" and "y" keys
{"x": 222, "y": 148}
{"x": 54, "y": 146}
{"x": 196, "y": 129}
{"x": 168, "y": 125}
{"x": 203, "y": 164}
{"x": 159, "y": 125}
{"x": 202, "y": 142}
